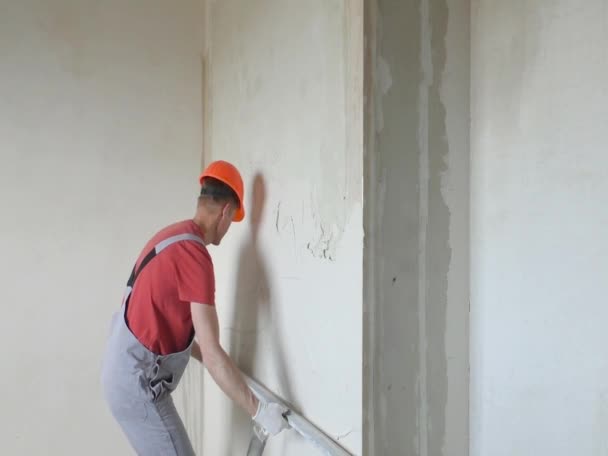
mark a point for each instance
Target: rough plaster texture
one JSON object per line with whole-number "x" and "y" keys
{"x": 100, "y": 138}
{"x": 416, "y": 220}
{"x": 283, "y": 100}
{"x": 539, "y": 364}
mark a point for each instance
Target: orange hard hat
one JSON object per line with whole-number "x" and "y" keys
{"x": 229, "y": 175}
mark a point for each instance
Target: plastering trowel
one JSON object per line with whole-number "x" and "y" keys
{"x": 259, "y": 437}
{"x": 297, "y": 422}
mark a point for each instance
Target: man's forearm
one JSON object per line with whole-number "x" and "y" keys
{"x": 196, "y": 352}
{"x": 229, "y": 378}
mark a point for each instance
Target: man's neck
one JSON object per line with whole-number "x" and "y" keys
{"x": 203, "y": 224}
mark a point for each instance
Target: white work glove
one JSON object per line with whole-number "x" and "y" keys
{"x": 270, "y": 416}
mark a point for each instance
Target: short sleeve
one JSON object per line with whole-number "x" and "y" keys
{"x": 194, "y": 274}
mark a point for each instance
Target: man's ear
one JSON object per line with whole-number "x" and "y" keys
{"x": 226, "y": 210}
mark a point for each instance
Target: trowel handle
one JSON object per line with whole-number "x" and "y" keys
{"x": 258, "y": 441}
{"x": 260, "y": 431}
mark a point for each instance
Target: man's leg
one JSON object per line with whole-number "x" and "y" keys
{"x": 171, "y": 427}
{"x": 153, "y": 429}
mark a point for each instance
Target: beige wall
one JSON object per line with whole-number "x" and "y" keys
{"x": 100, "y": 139}
{"x": 102, "y": 109}
{"x": 539, "y": 183}
{"x": 284, "y": 102}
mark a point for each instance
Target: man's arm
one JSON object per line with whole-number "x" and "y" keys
{"x": 221, "y": 367}
{"x": 196, "y": 352}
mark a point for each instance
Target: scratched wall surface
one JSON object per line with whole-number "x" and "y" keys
{"x": 539, "y": 359}
{"x": 100, "y": 137}
{"x": 416, "y": 222}
{"x": 283, "y": 101}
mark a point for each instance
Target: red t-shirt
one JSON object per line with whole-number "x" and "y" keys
{"x": 159, "y": 307}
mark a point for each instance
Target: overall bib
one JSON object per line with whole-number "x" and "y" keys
{"x": 137, "y": 383}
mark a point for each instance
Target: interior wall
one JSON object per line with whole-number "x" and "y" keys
{"x": 283, "y": 87}
{"x": 539, "y": 215}
{"x": 417, "y": 225}
{"x": 100, "y": 138}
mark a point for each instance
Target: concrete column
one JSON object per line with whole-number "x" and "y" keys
{"x": 416, "y": 220}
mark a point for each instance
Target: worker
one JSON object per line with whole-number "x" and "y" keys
{"x": 167, "y": 316}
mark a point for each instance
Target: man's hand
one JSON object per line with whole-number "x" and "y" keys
{"x": 271, "y": 417}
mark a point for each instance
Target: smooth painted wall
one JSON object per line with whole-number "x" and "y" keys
{"x": 539, "y": 356}
{"x": 100, "y": 140}
{"x": 283, "y": 100}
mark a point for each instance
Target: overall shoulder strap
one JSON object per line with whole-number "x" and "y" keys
{"x": 162, "y": 245}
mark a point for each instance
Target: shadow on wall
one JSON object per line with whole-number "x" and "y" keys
{"x": 254, "y": 314}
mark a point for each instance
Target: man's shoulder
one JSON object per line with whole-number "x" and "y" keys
{"x": 179, "y": 227}
{"x": 195, "y": 249}
{"x": 174, "y": 229}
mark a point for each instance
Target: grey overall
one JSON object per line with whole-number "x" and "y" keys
{"x": 137, "y": 383}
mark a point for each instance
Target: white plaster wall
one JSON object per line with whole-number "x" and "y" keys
{"x": 539, "y": 355}
{"x": 100, "y": 145}
{"x": 284, "y": 99}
